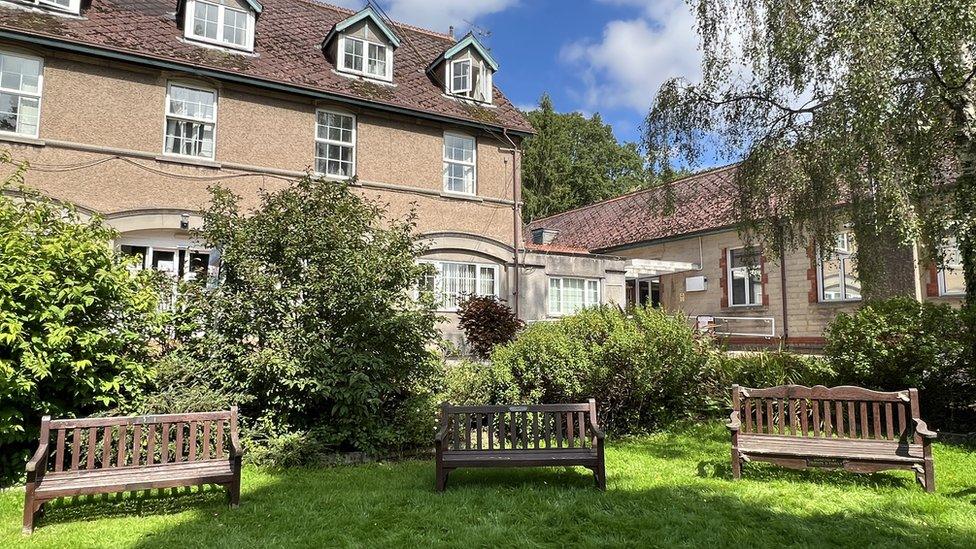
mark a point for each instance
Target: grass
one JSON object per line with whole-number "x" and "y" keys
{"x": 671, "y": 489}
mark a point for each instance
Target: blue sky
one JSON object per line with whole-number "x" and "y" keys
{"x": 606, "y": 56}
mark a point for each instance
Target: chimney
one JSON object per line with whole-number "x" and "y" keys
{"x": 450, "y": 31}
{"x": 543, "y": 235}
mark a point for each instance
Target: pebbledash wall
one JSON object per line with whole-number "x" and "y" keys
{"x": 100, "y": 147}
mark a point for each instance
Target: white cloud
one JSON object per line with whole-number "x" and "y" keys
{"x": 634, "y": 57}
{"x": 436, "y": 15}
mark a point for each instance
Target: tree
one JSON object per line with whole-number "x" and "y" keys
{"x": 843, "y": 111}
{"x": 313, "y": 327}
{"x": 76, "y": 326}
{"x": 573, "y": 161}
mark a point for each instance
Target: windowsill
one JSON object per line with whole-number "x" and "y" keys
{"x": 468, "y": 100}
{"x": 756, "y": 307}
{"x": 364, "y": 77}
{"x": 953, "y": 295}
{"x": 462, "y": 196}
{"x": 839, "y": 302}
{"x": 47, "y": 10}
{"x": 189, "y": 160}
{"x": 21, "y": 139}
{"x": 229, "y": 48}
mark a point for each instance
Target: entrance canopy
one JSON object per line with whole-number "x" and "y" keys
{"x": 645, "y": 268}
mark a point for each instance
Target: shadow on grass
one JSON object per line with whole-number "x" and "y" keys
{"x": 722, "y": 469}
{"x": 396, "y": 506}
{"x": 140, "y": 504}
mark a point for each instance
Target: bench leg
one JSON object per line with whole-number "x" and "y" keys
{"x": 31, "y": 511}
{"x": 926, "y": 477}
{"x": 736, "y": 464}
{"x": 234, "y": 493}
{"x": 441, "y": 483}
{"x": 600, "y": 476}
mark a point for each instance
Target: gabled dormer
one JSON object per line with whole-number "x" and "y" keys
{"x": 227, "y": 23}
{"x": 62, "y": 6}
{"x": 362, "y": 45}
{"x": 466, "y": 69}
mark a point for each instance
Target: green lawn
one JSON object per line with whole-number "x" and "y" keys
{"x": 665, "y": 490}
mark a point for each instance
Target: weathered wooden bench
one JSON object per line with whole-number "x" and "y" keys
{"x": 847, "y": 428}
{"x": 130, "y": 454}
{"x": 541, "y": 435}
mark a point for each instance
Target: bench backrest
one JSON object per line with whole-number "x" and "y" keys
{"x": 529, "y": 427}
{"x": 136, "y": 441}
{"x": 838, "y": 412}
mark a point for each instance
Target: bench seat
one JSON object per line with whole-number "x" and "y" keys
{"x": 130, "y": 479}
{"x": 831, "y": 448}
{"x": 522, "y": 458}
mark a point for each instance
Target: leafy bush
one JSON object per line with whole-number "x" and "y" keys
{"x": 75, "y": 323}
{"x": 645, "y": 368}
{"x": 313, "y": 327}
{"x": 487, "y": 322}
{"x": 477, "y": 383}
{"x": 899, "y": 343}
{"x": 771, "y": 368}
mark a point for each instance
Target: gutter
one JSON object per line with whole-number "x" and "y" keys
{"x": 247, "y": 80}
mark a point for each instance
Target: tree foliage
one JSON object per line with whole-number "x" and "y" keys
{"x": 573, "y": 161}
{"x": 870, "y": 105}
{"x": 313, "y": 329}
{"x": 76, "y": 325}
{"x": 487, "y": 322}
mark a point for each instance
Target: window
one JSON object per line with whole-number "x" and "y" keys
{"x": 20, "y": 94}
{"x": 70, "y": 6}
{"x": 568, "y": 295}
{"x": 366, "y": 56}
{"x": 470, "y": 78}
{"x": 460, "y": 164}
{"x": 745, "y": 278}
{"x": 951, "y": 278}
{"x": 220, "y": 22}
{"x": 461, "y": 76}
{"x": 838, "y": 274}
{"x": 191, "y": 121}
{"x": 335, "y": 144}
{"x": 176, "y": 262}
{"x": 453, "y": 282}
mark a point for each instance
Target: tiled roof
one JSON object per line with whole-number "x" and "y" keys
{"x": 287, "y": 50}
{"x": 702, "y": 202}
{"x": 554, "y": 249}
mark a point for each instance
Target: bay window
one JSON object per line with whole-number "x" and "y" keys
{"x": 745, "y": 277}
{"x": 20, "y": 94}
{"x": 568, "y": 295}
{"x": 460, "y": 164}
{"x": 453, "y": 282}
{"x": 837, "y": 275}
{"x": 191, "y": 121}
{"x": 335, "y": 144}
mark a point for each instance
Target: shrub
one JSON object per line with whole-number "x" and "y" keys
{"x": 487, "y": 322}
{"x": 771, "y": 368}
{"x": 477, "y": 383}
{"x": 645, "y": 368}
{"x": 75, "y": 323}
{"x": 899, "y": 343}
{"x": 313, "y": 327}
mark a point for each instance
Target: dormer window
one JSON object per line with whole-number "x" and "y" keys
{"x": 363, "y": 45}
{"x": 228, "y": 23}
{"x": 68, "y": 6}
{"x": 467, "y": 69}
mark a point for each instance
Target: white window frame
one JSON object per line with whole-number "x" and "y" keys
{"x": 438, "y": 265}
{"x": 473, "y": 164}
{"x": 327, "y": 141}
{"x": 470, "y": 83}
{"x": 844, "y": 263}
{"x": 188, "y": 33}
{"x": 167, "y": 116}
{"x": 728, "y": 277}
{"x": 73, "y": 7}
{"x": 38, "y": 95}
{"x": 341, "y": 58}
{"x": 950, "y": 249}
{"x": 586, "y": 294}
{"x": 469, "y": 93}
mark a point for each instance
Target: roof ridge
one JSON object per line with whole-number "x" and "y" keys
{"x": 407, "y": 26}
{"x": 637, "y": 192}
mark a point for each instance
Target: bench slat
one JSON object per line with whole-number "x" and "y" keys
{"x": 151, "y": 444}
{"x": 136, "y": 444}
{"x": 90, "y": 451}
{"x": 220, "y": 439}
{"x": 106, "y": 447}
{"x": 889, "y": 421}
{"x": 178, "y": 454}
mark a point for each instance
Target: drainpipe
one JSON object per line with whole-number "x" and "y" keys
{"x": 782, "y": 285}
{"x": 516, "y": 222}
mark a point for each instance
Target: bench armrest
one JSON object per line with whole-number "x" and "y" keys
{"x": 441, "y": 435}
{"x": 38, "y": 463}
{"x": 734, "y": 423}
{"x": 923, "y": 429}
{"x": 236, "y": 450}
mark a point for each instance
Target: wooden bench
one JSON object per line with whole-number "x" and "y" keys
{"x": 839, "y": 428}
{"x": 128, "y": 454}
{"x": 541, "y": 435}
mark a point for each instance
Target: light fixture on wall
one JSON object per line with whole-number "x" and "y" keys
{"x": 184, "y": 221}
